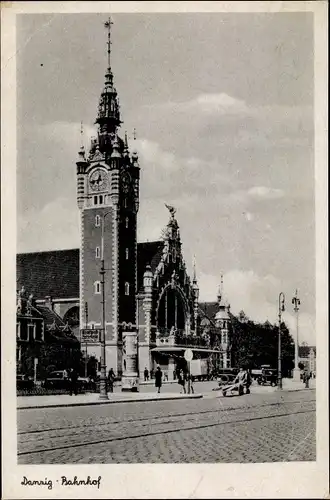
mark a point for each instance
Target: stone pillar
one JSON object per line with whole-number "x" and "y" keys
{"x": 130, "y": 376}
{"x": 171, "y": 366}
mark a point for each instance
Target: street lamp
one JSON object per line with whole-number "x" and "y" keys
{"x": 296, "y": 304}
{"x": 103, "y": 380}
{"x": 281, "y": 308}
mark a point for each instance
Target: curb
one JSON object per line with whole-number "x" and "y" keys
{"x": 94, "y": 403}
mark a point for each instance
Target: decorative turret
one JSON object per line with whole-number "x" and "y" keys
{"x": 82, "y": 164}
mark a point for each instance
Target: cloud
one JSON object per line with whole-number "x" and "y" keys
{"x": 257, "y": 296}
{"x": 265, "y": 193}
{"x": 56, "y": 226}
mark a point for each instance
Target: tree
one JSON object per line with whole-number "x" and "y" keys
{"x": 256, "y": 344}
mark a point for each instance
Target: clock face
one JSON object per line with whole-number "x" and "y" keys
{"x": 97, "y": 180}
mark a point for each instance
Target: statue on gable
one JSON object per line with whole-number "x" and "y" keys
{"x": 20, "y": 297}
{"x": 171, "y": 209}
{"x": 29, "y": 304}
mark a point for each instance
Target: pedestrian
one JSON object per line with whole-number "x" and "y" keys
{"x": 146, "y": 374}
{"x": 181, "y": 381}
{"x": 73, "y": 382}
{"x": 158, "y": 378}
{"x": 191, "y": 379}
{"x": 306, "y": 379}
{"x": 111, "y": 379}
{"x": 151, "y": 374}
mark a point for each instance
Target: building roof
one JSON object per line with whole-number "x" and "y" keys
{"x": 305, "y": 349}
{"x": 148, "y": 253}
{"x": 56, "y": 273}
{"x": 208, "y": 309}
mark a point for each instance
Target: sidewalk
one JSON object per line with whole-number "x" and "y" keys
{"x": 65, "y": 400}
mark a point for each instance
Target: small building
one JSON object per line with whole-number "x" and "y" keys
{"x": 42, "y": 339}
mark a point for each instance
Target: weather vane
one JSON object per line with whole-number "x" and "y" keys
{"x": 108, "y": 24}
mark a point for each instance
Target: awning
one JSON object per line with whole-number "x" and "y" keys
{"x": 181, "y": 349}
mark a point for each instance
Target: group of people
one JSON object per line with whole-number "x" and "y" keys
{"x": 181, "y": 377}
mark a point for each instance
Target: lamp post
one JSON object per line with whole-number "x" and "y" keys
{"x": 281, "y": 308}
{"x": 296, "y": 304}
{"x": 103, "y": 381}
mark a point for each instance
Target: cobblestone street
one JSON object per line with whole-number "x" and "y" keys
{"x": 253, "y": 428}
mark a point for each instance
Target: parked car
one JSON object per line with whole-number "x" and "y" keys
{"x": 60, "y": 380}
{"x": 268, "y": 376}
{"x": 23, "y": 382}
{"x": 226, "y": 376}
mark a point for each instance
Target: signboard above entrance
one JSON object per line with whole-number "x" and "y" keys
{"x": 90, "y": 335}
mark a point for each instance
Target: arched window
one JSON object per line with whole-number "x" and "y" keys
{"x": 126, "y": 288}
{"x": 97, "y": 287}
{"x": 97, "y": 252}
{"x": 97, "y": 221}
{"x": 95, "y": 200}
{"x": 101, "y": 199}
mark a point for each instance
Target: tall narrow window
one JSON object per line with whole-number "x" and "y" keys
{"x": 126, "y": 253}
{"x": 95, "y": 200}
{"x": 101, "y": 199}
{"x": 126, "y": 288}
{"x": 97, "y": 252}
{"x": 97, "y": 221}
{"x": 97, "y": 287}
{"x": 125, "y": 202}
{"x": 31, "y": 332}
{"x": 126, "y": 222}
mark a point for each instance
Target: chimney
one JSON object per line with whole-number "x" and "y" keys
{"x": 49, "y": 303}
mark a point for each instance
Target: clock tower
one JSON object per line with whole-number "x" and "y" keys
{"x": 108, "y": 200}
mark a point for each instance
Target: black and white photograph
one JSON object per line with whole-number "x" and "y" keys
{"x": 166, "y": 256}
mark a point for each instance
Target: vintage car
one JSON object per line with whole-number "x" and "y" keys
{"x": 60, "y": 380}
{"x": 226, "y": 376}
{"x": 268, "y": 377}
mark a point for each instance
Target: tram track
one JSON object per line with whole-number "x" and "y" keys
{"x": 182, "y": 428}
{"x": 133, "y": 420}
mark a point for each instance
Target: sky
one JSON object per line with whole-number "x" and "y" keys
{"x": 222, "y": 104}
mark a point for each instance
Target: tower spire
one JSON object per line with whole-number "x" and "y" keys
{"x": 108, "y": 116}
{"x": 220, "y": 289}
{"x": 194, "y": 270}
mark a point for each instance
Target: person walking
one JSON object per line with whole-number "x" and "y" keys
{"x": 146, "y": 374}
{"x": 181, "y": 381}
{"x": 158, "y": 378}
{"x": 111, "y": 379}
{"x": 73, "y": 382}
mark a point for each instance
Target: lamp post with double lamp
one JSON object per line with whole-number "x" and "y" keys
{"x": 296, "y": 304}
{"x": 103, "y": 381}
{"x": 281, "y": 308}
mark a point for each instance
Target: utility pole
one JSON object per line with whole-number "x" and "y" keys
{"x": 281, "y": 308}
{"x": 103, "y": 381}
{"x": 296, "y": 371}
